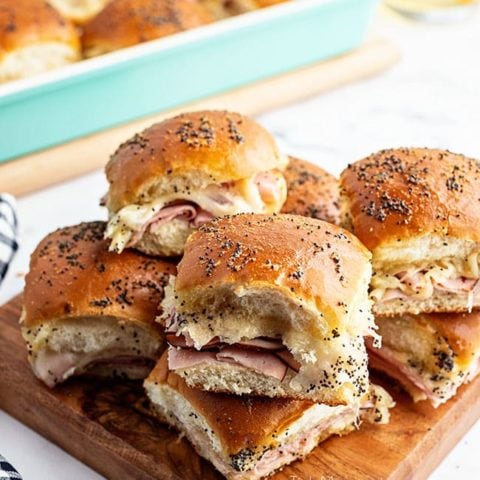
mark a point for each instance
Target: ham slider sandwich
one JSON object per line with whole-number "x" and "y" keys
{"x": 431, "y": 355}
{"x": 34, "y": 38}
{"x": 311, "y": 192}
{"x": 418, "y": 211}
{"x": 247, "y": 438}
{"x": 271, "y": 305}
{"x": 123, "y": 23}
{"x": 87, "y": 310}
{"x": 182, "y": 172}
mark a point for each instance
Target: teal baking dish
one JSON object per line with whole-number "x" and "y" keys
{"x": 96, "y": 94}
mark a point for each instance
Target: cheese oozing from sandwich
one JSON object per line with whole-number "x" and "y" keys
{"x": 420, "y": 281}
{"x": 262, "y": 193}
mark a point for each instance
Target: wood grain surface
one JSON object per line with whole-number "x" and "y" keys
{"x": 45, "y": 168}
{"x": 108, "y": 426}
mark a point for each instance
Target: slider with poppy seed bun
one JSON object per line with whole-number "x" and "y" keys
{"x": 182, "y": 172}
{"x": 87, "y": 310}
{"x": 418, "y": 211}
{"x": 78, "y": 10}
{"x": 34, "y": 38}
{"x": 247, "y": 438}
{"x": 123, "y": 23}
{"x": 311, "y": 192}
{"x": 431, "y": 355}
{"x": 271, "y": 305}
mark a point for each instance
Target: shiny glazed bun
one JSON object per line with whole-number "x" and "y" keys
{"x": 191, "y": 149}
{"x": 34, "y": 38}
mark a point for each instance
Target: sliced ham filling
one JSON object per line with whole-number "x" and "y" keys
{"x": 380, "y": 359}
{"x": 55, "y": 367}
{"x": 186, "y": 211}
{"x": 268, "y": 188}
{"x": 263, "y": 355}
{"x": 416, "y": 285}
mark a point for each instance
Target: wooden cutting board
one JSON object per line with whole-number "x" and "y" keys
{"x": 107, "y": 426}
{"x": 45, "y": 168}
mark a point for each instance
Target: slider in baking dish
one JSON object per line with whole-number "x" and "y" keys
{"x": 34, "y": 38}
{"x": 123, "y": 23}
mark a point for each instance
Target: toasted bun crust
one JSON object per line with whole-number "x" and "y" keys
{"x": 239, "y": 421}
{"x": 72, "y": 274}
{"x": 300, "y": 257}
{"x": 33, "y": 23}
{"x": 312, "y": 192}
{"x": 123, "y": 23}
{"x": 78, "y": 11}
{"x": 396, "y": 195}
{"x": 204, "y": 147}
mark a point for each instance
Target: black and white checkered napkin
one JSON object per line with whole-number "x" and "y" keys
{"x": 8, "y": 232}
{"x": 8, "y": 247}
{"x": 7, "y": 472}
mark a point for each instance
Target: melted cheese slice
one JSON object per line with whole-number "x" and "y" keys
{"x": 419, "y": 281}
{"x": 243, "y": 197}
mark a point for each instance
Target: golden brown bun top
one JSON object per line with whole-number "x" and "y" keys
{"x": 404, "y": 193}
{"x": 312, "y": 192}
{"x": 462, "y": 330}
{"x": 123, "y": 23}
{"x": 73, "y": 274}
{"x": 31, "y": 22}
{"x": 239, "y": 421}
{"x": 219, "y": 145}
{"x": 304, "y": 258}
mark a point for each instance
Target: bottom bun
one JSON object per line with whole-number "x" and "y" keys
{"x": 102, "y": 347}
{"x": 281, "y": 430}
{"x": 250, "y": 437}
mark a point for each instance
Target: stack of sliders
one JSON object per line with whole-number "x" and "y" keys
{"x": 418, "y": 211}
{"x": 266, "y": 321}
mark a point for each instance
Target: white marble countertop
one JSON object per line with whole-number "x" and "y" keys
{"x": 432, "y": 98}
